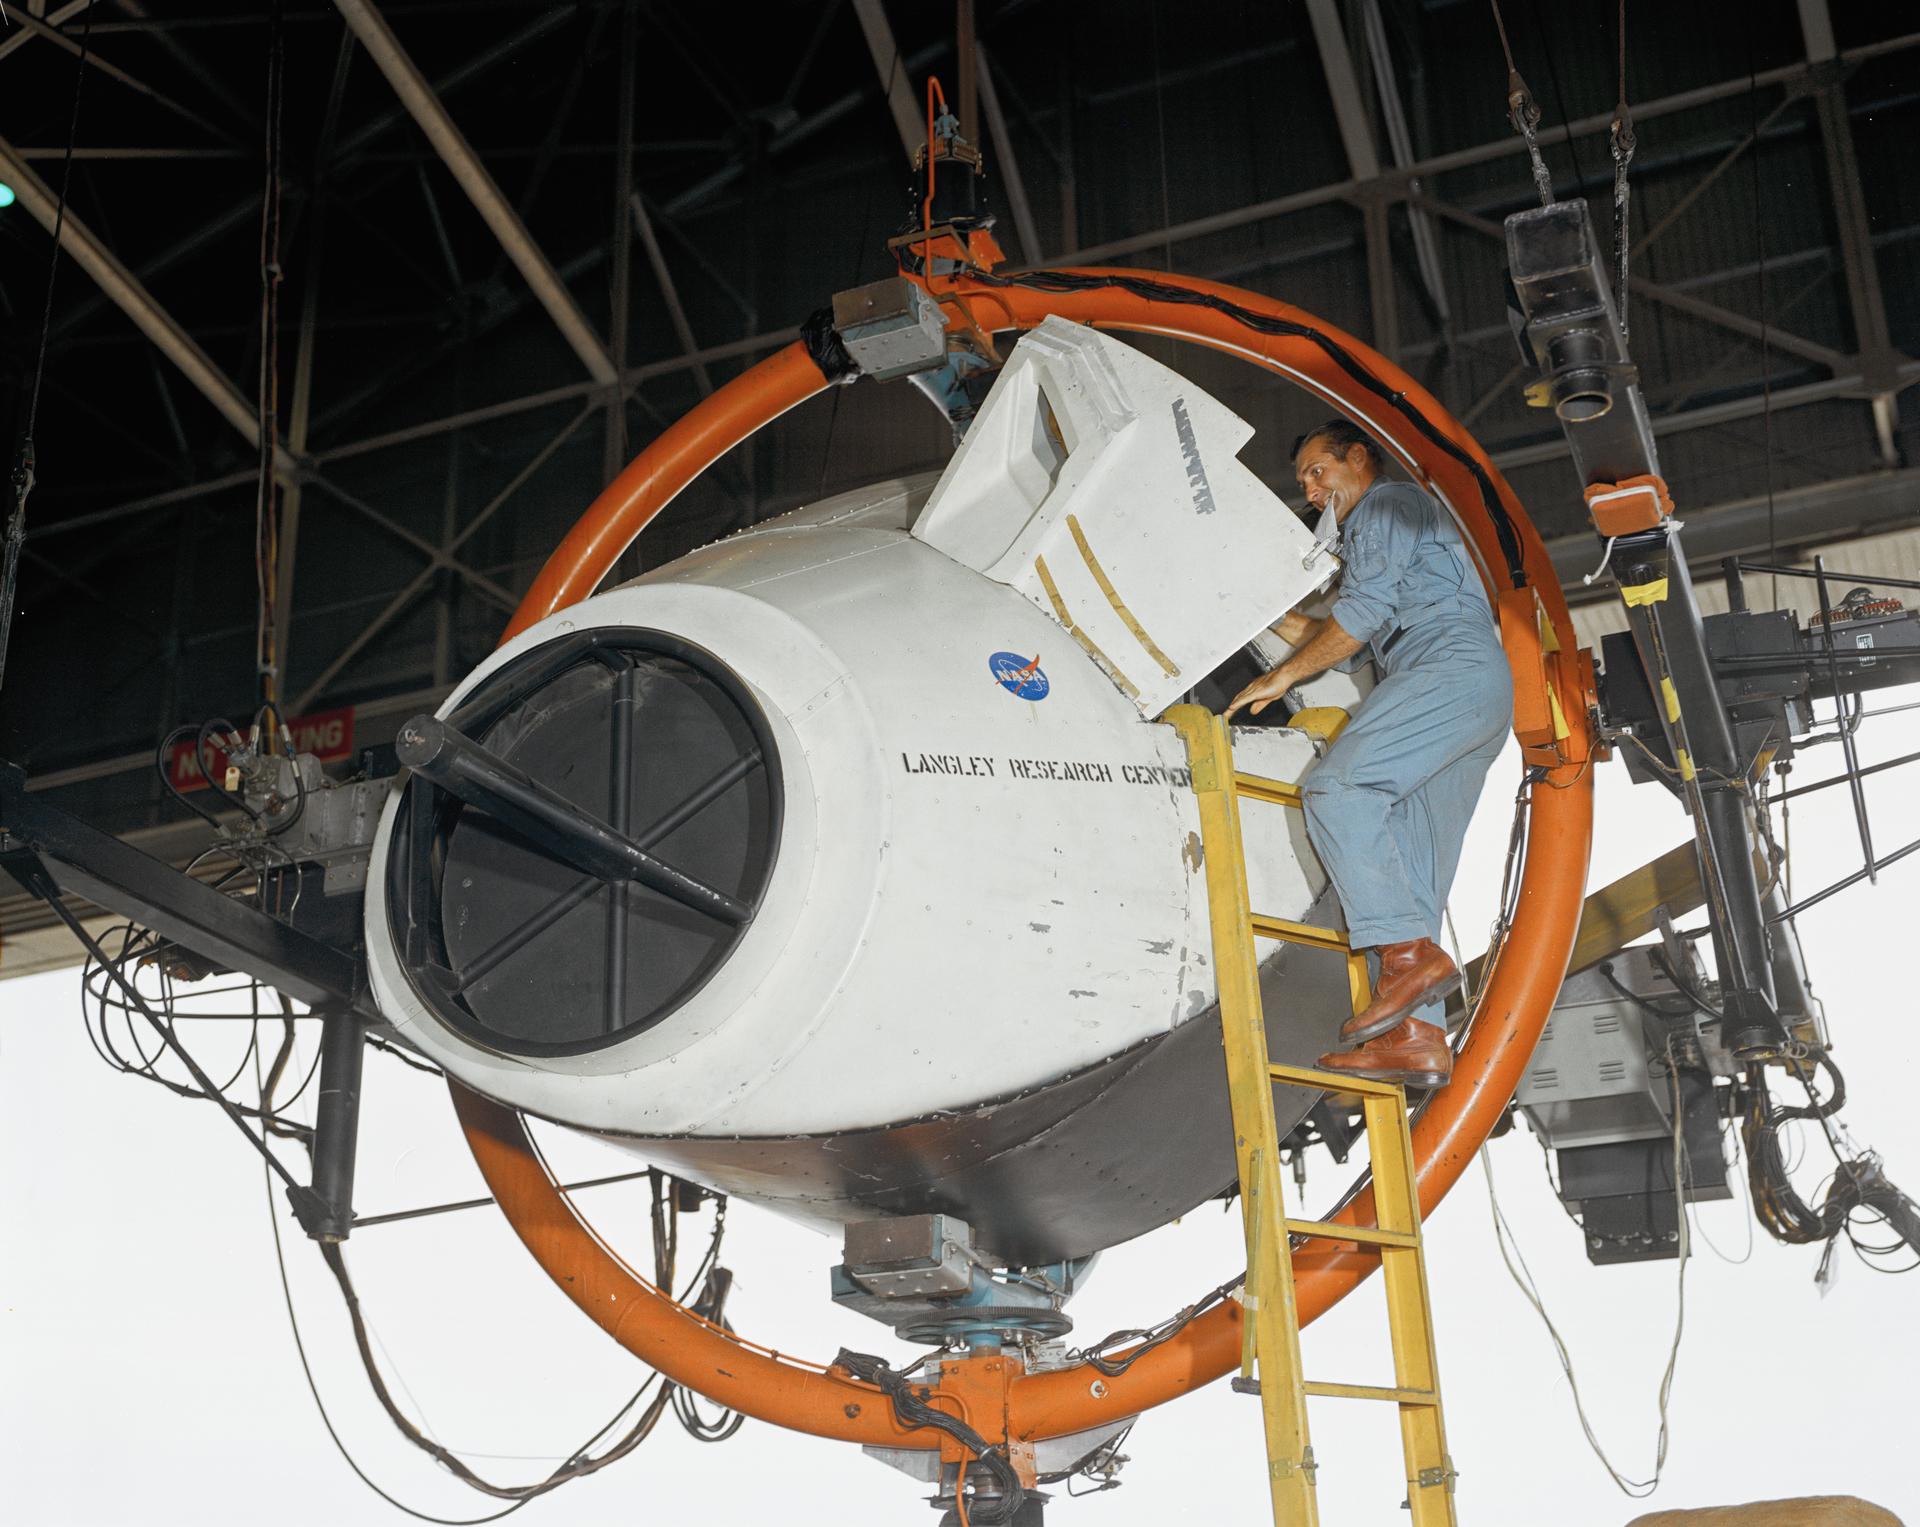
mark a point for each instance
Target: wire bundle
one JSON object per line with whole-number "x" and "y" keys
{"x": 144, "y": 960}
{"x": 912, "y": 1411}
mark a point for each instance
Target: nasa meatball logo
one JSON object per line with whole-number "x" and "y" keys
{"x": 1019, "y": 675}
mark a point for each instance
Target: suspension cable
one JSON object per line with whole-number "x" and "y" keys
{"x": 1621, "y": 140}
{"x": 1523, "y": 112}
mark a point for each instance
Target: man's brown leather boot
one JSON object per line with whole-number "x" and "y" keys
{"x": 1415, "y": 1053}
{"x": 1411, "y": 973}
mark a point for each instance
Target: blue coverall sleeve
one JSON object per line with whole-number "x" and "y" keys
{"x": 1386, "y": 530}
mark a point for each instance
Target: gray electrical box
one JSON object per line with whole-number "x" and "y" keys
{"x": 912, "y": 1257}
{"x": 890, "y": 328}
{"x": 1600, "y": 1095}
{"x": 1589, "y": 1083}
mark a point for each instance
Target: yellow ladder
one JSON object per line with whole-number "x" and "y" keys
{"x": 1272, "y": 1321}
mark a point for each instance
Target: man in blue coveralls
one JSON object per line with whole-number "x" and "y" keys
{"x": 1387, "y": 808}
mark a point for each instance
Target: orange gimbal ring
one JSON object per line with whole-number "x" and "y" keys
{"x": 1519, "y": 994}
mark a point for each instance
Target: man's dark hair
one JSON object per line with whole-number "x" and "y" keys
{"x": 1341, "y": 436}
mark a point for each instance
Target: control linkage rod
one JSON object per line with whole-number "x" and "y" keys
{"x": 473, "y": 774}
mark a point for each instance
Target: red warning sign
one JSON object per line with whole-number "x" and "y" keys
{"x": 327, "y": 734}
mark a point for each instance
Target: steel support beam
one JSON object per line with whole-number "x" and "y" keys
{"x": 1816, "y": 26}
{"x": 35, "y": 26}
{"x": 1349, "y": 104}
{"x": 1666, "y": 296}
{"x": 1878, "y": 358}
{"x": 1009, "y": 166}
{"x": 354, "y": 145}
{"x": 86, "y": 862}
{"x": 1847, "y": 385}
{"x": 22, "y": 37}
{"x": 420, "y": 582}
{"x": 908, "y": 120}
{"x": 642, "y": 223}
{"x": 125, "y": 291}
{"x": 439, "y": 557}
{"x": 458, "y": 155}
{"x": 1484, "y": 153}
{"x": 1426, "y": 242}
{"x": 1382, "y": 299}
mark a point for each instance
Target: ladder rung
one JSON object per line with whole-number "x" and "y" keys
{"x": 1371, "y": 1392}
{"x": 1366, "y": 1235}
{"x": 1335, "y": 1081}
{"x": 1298, "y": 933}
{"x": 1276, "y": 792}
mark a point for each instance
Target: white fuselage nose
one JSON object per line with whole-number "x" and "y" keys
{"x": 984, "y": 880}
{"x": 980, "y": 974}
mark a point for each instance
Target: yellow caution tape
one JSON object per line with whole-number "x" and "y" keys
{"x": 1686, "y": 764}
{"x": 1644, "y": 593}
{"x": 1672, "y": 699}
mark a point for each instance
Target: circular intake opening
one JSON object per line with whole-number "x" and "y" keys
{"x": 503, "y": 935}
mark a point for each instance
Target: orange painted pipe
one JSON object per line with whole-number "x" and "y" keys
{"x": 1519, "y": 995}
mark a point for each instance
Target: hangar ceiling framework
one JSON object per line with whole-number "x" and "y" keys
{"x": 519, "y": 237}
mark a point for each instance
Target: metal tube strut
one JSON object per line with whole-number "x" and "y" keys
{"x": 463, "y": 768}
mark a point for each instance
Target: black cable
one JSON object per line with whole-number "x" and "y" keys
{"x": 1815, "y": 1109}
{"x": 1645, "y": 1006}
{"x": 1070, "y": 282}
{"x": 306, "y": 1368}
{"x": 715, "y": 1284}
{"x": 1666, "y": 967}
{"x": 402, "y": 1056}
{"x": 49, "y": 893}
{"x": 1153, "y": 1336}
{"x": 576, "y": 1466}
{"x": 166, "y": 778}
{"x": 136, "y": 945}
{"x": 1103, "y": 1461}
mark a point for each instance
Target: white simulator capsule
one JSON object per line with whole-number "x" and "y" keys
{"x": 842, "y": 865}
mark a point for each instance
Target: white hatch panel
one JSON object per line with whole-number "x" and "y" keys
{"x": 1107, "y": 489}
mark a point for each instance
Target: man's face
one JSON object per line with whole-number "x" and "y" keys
{"x": 1327, "y": 478}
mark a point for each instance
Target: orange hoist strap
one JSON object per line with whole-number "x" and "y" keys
{"x": 1635, "y": 503}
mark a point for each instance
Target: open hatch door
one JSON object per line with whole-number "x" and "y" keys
{"x": 1106, "y": 488}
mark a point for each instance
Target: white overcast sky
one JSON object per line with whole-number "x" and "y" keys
{"x": 149, "y": 1376}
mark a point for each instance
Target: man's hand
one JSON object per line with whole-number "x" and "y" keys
{"x": 1293, "y": 628}
{"x": 1263, "y": 691}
